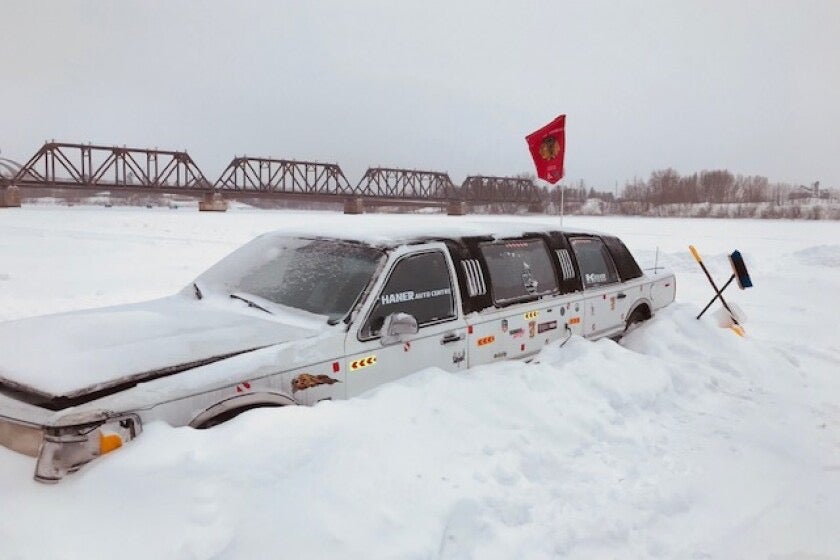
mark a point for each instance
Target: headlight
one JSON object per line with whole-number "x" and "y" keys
{"x": 66, "y": 448}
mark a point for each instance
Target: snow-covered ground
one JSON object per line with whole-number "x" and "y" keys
{"x": 685, "y": 441}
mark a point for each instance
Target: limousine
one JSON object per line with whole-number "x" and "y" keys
{"x": 294, "y": 319}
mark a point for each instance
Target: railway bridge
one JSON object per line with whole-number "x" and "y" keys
{"x": 95, "y": 169}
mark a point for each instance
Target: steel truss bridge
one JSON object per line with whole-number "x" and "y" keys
{"x": 92, "y": 168}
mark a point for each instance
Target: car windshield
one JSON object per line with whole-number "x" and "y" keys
{"x": 321, "y": 276}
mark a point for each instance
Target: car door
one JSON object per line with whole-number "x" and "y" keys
{"x": 417, "y": 281}
{"x": 529, "y": 311}
{"x": 635, "y": 289}
{"x": 605, "y": 301}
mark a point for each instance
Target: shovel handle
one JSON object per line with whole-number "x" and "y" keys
{"x": 694, "y": 253}
{"x": 718, "y": 293}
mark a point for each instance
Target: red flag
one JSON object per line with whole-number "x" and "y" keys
{"x": 548, "y": 146}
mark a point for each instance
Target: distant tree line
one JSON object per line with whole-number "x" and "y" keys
{"x": 716, "y": 193}
{"x": 667, "y": 186}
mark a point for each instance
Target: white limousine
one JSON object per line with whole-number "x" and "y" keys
{"x": 292, "y": 319}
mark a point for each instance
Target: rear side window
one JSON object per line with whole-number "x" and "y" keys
{"x": 519, "y": 269}
{"x": 419, "y": 285}
{"x": 627, "y": 266}
{"x": 596, "y": 266}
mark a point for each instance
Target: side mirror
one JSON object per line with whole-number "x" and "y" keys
{"x": 395, "y": 326}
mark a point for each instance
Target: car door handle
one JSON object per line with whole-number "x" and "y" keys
{"x": 451, "y": 337}
{"x": 621, "y": 296}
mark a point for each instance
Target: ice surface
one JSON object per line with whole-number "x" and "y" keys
{"x": 683, "y": 442}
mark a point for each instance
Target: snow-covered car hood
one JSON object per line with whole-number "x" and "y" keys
{"x": 77, "y": 353}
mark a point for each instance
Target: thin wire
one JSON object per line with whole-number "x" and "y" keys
{"x": 568, "y": 337}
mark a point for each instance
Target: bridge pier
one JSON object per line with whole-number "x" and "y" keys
{"x": 457, "y": 208}
{"x": 354, "y": 206}
{"x": 212, "y": 202}
{"x": 10, "y": 197}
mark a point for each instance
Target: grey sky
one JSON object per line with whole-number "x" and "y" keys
{"x": 747, "y": 85}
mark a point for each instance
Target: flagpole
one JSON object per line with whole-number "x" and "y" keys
{"x": 562, "y": 203}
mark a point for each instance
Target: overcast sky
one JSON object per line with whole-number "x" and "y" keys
{"x": 752, "y": 86}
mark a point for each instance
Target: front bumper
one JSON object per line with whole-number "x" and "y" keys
{"x": 65, "y": 449}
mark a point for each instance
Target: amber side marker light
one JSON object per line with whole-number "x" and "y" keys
{"x": 109, "y": 442}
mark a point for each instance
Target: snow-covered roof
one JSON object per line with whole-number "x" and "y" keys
{"x": 390, "y": 230}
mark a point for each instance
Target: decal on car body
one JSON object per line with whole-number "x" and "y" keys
{"x": 363, "y": 363}
{"x": 307, "y": 381}
{"x": 411, "y": 295}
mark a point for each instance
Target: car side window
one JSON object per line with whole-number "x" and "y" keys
{"x": 627, "y": 266}
{"x": 596, "y": 266}
{"x": 519, "y": 269}
{"x": 419, "y": 285}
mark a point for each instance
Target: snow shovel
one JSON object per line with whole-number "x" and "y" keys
{"x": 730, "y": 316}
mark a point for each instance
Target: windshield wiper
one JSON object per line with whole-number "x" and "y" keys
{"x": 250, "y": 303}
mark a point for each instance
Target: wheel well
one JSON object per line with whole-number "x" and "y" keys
{"x": 230, "y": 414}
{"x": 234, "y": 406}
{"x": 642, "y": 311}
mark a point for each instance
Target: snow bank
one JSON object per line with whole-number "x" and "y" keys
{"x": 683, "y": 442}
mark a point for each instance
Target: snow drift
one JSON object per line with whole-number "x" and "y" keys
{"x": 682, "y": 442}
